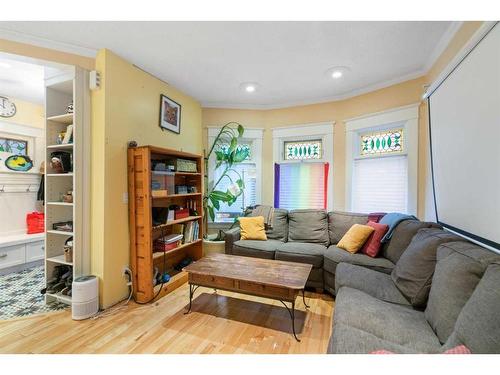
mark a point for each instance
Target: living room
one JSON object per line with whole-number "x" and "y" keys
{"x": 282, "y": 185}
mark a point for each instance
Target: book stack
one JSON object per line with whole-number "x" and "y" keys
{"x": 167, "y": 243}
{"x": 190, "y": 231}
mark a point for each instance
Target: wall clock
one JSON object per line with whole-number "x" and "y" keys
{"x": 7, "y": 108}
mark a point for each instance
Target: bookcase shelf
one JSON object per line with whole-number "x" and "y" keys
{"x": 143, "y": 260}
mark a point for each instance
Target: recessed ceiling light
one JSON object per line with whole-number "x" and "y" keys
{"x": 4, "y": 65}
{"x": 249, "y": 87}
{"x": 338, "y": 72}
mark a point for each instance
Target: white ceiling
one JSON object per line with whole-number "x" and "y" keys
{"x": 21, "y": 80}
{"x": 210, "y": 60}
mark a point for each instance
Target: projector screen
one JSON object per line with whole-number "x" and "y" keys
{"x": 464, "y": 118}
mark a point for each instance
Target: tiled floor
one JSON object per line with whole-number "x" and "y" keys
{"x": 20, "y": 294}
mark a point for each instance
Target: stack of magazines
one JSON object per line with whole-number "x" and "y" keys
{"x": 167, "y": 243}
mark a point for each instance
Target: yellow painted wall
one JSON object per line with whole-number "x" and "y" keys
{"x": 401, "y": 94}
{"x": 126, "y": 108}
{"x": 30, "y": 114}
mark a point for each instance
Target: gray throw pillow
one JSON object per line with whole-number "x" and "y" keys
{"x": 413, "y": 272}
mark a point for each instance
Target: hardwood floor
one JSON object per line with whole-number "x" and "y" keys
{"x": 221, "y": 322}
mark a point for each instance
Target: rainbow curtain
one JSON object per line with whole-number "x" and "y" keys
{"x": 300, "y": 185}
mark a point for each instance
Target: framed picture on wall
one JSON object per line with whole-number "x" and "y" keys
{"x": 170, "y": 114}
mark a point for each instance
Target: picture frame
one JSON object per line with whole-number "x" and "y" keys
{"x": 170, "y": 114}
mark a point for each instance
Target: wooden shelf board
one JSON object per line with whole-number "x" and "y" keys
{"x": 178, "y": 221}
{"x": 59, "y": 204}
{"x": 178, "y": 196}
{"x": 183, "y": 246}
{"x": 176, "y": 280}
{"x": 66, "y": 119}
{"x": 62, "y": 145}
{"x": 60, "y": 232}
{"x": 187, "y": 174}
{"x": 61, "y": 297}
{"x": 59, "y": 259}
{"x": 59, "y": 174}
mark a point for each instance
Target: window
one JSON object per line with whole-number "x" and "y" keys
{"x": 301, "y": 185}
{"x": 380, "y": 184}
{"x": 382, "y": 161}
{"x": 303, "y": 150}
{"x": 248, "y": 173}
{"x": 14, "y": 146}
{"x": 249, "y": 170}
{"x": 386, "y": 142}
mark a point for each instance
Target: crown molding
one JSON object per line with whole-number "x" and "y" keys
{"x": 26, "y": 38}
{"x": 442, "y": 44}
{"x": 321, "y": 100}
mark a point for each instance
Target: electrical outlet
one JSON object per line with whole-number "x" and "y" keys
{"x": 125, "y": 198}
{"x": 126, "y": 271}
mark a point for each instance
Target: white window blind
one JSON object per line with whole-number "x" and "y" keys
{"x": 380, "y": 184}
{"x": 301, "y": 185}
{"x": 248, "y": 172}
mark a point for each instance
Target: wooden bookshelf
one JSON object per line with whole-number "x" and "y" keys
{"x": 142, "y": 232}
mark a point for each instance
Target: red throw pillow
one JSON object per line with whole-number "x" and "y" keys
{"x": 372, "y": 244}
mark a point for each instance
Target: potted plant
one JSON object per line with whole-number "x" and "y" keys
{"x": 227, "y": 155}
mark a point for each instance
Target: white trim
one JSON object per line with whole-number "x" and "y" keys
{"x": 466, "y": 49}
{"x": 442, "y": 44}
{"x": 19, "y": 129}
{"x": 405, "y": 117}
{"x": 324, "y": 131}
{"x": 22, "y": 37}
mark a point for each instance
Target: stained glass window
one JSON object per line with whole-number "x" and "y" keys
{"x": 384, "y": 142}
{"x": 14, "y": 146}
{"x": 303, "y": 150}
{"x": 224, "y": 147}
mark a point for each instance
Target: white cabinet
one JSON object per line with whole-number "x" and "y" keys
{"x": 35, "y": 251}
{"x": 20, "y": 249}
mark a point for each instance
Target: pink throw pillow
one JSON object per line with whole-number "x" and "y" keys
{"x": 372, "y": 244}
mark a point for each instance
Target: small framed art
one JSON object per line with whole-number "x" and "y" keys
{"x": 170, "y": 114}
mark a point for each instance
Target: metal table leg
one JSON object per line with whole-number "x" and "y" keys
{"x": 292, "y": 316}
{"x": 192, "y": 289}
{"x": 304, "y": 299}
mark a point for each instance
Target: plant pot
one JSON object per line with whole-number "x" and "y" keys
{"x": 212, "y": 247}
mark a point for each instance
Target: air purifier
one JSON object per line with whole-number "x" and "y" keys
{"x": 85, "y": 297}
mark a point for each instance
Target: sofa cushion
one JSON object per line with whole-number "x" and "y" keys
{"x": 340, "y": 222}
{"x": 308, "y": 226}
{"x": 334, "y": 256}
{"x": 413, "y": 272}
{"x": 301, "y": 252}
{"x": 256, "y": 249}
{"x": 349, "y": 340}
{"x": 355, "y": 238}
{"x": 401, "y": 238}
{"x": 394, "y": 323}
{"x": 460, "y": 266}
{"x": 252, "y": 228}
{"x": 478, "y": 325}
{"x": 279, "y": 230}
{"x": 373, "y": 244}
{"x": 374, "y": 283}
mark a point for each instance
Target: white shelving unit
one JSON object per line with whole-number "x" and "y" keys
{"x": 61, "y": 90}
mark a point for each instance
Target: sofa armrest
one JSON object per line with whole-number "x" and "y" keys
{"x": 232, "y": 235}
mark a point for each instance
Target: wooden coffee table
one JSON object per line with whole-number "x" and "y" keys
{"x": 274, "y": 279}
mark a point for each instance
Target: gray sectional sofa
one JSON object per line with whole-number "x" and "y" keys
{"x": 310, "y": 236}
{"x": 427, "y": 291}
{"x": 462, "y": 307}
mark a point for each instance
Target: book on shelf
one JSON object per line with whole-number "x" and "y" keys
{"x": 191, "y": 231}
{"x": 168, "y": 242}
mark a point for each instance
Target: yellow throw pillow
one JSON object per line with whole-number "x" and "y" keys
{"x": 252, "y": 228}
{"x": 355, "y": 238}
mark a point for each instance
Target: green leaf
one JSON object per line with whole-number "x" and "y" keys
{"x": 241, "y": 130}
{"x": 240, "y": 183}
{"x": 234, "y": 143}
{"x": 220, "y": 156}
{"x": 211, "y": 213}
{"x": 220, "y": 196}
{"x": 240, "y": 155}
{"x": 215, "y": 202}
